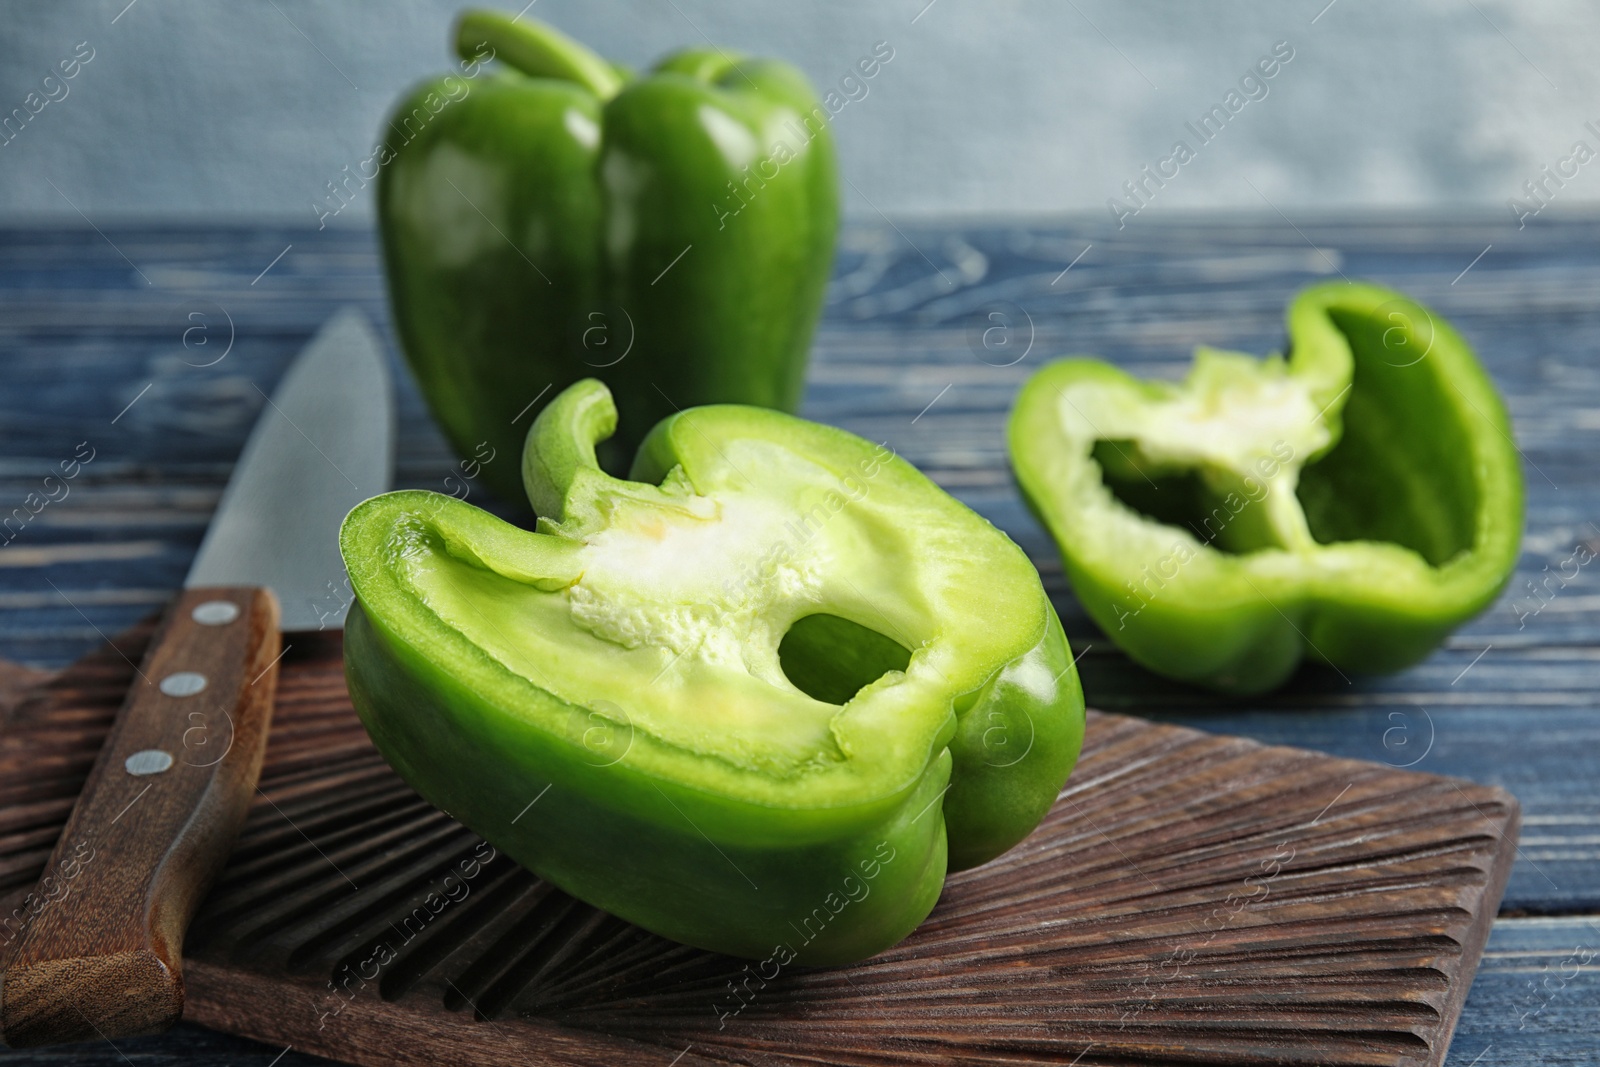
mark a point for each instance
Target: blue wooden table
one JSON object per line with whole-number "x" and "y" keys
{"x": 142, "y": 354}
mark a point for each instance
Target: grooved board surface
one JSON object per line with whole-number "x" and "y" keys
{"x": 1191, "y": 897}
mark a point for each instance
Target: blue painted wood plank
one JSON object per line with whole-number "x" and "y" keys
{"x": 900, "y": 357}
{"x": 1536, "y": 998}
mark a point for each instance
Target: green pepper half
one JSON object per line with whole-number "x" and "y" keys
{"x": 1355, "y": 502}
{"x": 551, "y": 218}
{"x": 764, "y": 693}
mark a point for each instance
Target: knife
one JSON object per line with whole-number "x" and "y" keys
{"x": 163, "y": 804}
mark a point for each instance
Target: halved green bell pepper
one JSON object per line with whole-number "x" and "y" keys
{"x": 1355, "y": 502}
{"x": 764, "y": 693}
{"x": 554, "y": 218}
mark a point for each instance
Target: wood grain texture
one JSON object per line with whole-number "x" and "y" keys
{"x": 97, "y": 951}
{"x": 1190, "y": 898}
{"x": 16, "y": 681}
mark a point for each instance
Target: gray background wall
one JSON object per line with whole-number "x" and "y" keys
{"x": 202, "y": 109}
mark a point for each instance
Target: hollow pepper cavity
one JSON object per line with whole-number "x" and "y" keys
{"x": 1354, "y": 502}
{"x": 554, "y": 217}
{"x": 758, "y": 698}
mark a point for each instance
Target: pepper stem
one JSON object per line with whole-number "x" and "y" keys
{"x": 535, "y": 49}
{"x": 558, "y": 456}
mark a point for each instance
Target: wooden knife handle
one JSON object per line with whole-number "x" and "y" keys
{"x": 101, "y": 952}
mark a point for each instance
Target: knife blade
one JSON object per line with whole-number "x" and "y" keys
{"x": 164, "y": 802}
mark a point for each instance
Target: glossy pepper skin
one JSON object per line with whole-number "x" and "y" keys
{"x": 552, "y": 218}
{"x": 776, "y": 684}
{"x": 1354, "y": 503}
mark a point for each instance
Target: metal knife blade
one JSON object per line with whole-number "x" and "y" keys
{"x": 321, "y": 445}
{"x": 102, "y": 953}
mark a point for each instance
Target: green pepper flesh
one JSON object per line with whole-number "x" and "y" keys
{"x": 1354, "y": 503}
{"x": 554, "y": 218}
{"x": 776, "y": 682}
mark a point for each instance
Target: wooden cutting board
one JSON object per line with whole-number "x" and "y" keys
{"x": 1191, "y": 898}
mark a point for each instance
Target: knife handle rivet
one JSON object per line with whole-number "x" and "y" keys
{"x": 183, "y": 684}
{"x": 215, "y": 613}
{"x": 148, "y": 761}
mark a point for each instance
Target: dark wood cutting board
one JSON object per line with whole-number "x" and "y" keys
{"x": 1191, "y": 899}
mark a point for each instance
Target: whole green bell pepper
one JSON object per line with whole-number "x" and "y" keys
{"x": 761, "y": 696}
{"x": 1355, "y": 502}
{"x": 556, "y": 219}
